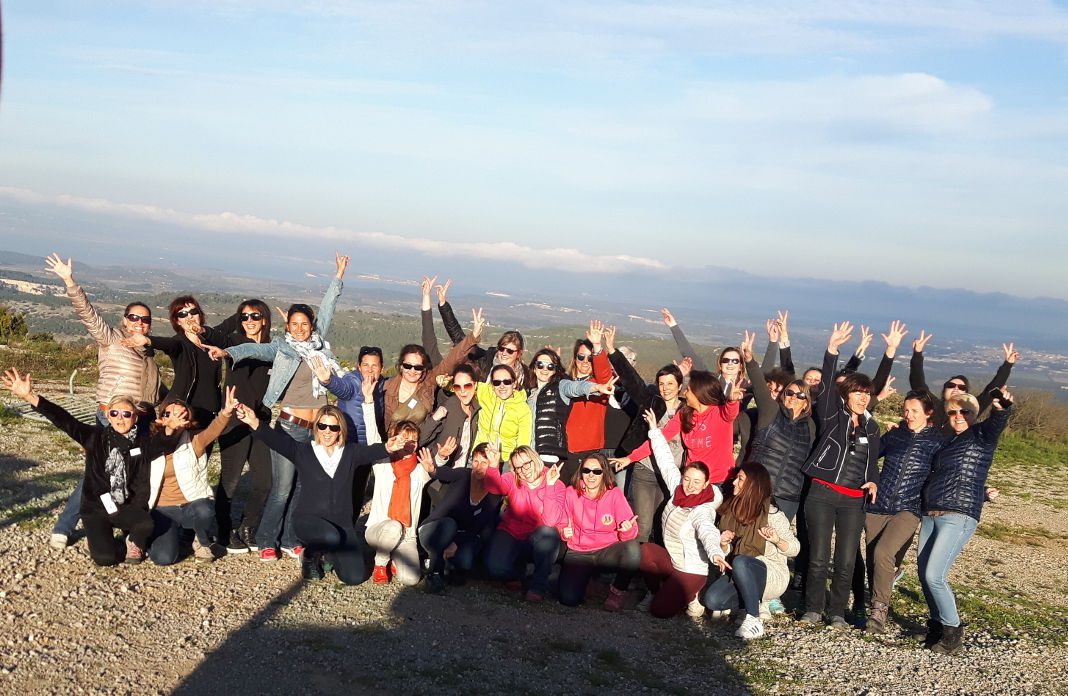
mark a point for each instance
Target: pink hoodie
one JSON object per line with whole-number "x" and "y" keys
{"x": 595, "y": 522}
{"x": 528, "y": 508}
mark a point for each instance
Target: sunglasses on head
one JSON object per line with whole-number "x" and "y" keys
{"x": 587, "y": 470}
{"x": 184, "y": 313}
{"x": 954, "y": 385}
{"x": 115, "y": 413}
{"x": 334, "y": 428}
{"x": 254, "y": 316}
{"x": 583, "y": 357}
{"x": 138, "y": 318}
{"x": 466, "y": 386}
{"x": 961, "y": 411}
{"x": 409, "y": 366}
{"x": 542, "y": 365}
{"x": 502, "y": 382}
{"x": 795, "y": 394}
{"x": 506, "y": 349}
{"x": 730, "y": 361}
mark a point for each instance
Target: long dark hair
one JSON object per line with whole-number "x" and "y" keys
{"x": 261, "y": 307}
{"x": 176, "y": 306}
{"x": 706, "y": 387}
{"x": 558, "y": 371}
{"x": 608, "y": 481}
{"x": 750, "y": 505}
{"x": 572, "y": 369}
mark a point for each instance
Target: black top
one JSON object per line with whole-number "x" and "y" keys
{"x": 918, "y": 381}
{"x": 480, "y": 519}
{"x": 250, "y": 377}
{"x": 196, "y": 376}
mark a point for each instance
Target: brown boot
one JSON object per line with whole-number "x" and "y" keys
{"x": 877, "y": 617}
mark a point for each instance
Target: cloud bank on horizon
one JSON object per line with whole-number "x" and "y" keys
{"x": 894, "y": 141}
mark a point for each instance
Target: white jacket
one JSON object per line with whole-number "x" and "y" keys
{"x": 685, "y": 527}
{"x": 384, "y": 479}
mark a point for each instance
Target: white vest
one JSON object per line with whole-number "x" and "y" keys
{"x": 190, "y": 470}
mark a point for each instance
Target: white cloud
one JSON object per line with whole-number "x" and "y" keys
{"x": 567, "y": 259}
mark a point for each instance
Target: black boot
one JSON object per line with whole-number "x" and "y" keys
{"x": 931, "y": 635}
{"x": 311, "y": 567}
{"x": 952, "y": 637}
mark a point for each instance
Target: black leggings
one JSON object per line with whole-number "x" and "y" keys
{"x": 343, "y": 543}
{"x": 237, "y": 446}
{"x": 624, "y": 557}
{"x": 104, "y": 548}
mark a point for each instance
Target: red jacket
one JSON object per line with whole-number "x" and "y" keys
{"x": 585, "y": 422}
{"x": 710, "y": 441}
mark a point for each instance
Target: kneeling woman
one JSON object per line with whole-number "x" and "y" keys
{"x": 116, "y": 457}
{"x": 762, "y": 541}
{"x": 676, "y": 571}
{"x": 461, "y": 524}
{"x": 601, "y": 532}
{"x": 528, "y": 525}
{"x": 322, "y": 518}
{"x": 179, "y": 494}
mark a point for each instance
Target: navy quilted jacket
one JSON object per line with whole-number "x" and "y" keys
{"x": 907, "y": 458}
{"x": 958, "y": 475}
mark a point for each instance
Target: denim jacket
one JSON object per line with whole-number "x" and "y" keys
{"x": 285, "y": 359}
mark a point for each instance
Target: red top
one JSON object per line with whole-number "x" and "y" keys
{"x": 585, "y": 423}
{"x": 710, "y": 441}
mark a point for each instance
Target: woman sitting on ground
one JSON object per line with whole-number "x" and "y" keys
{"x": 322, "y": 518}
{"x": 678, "y": 570}
{"x": 528, "y": 527}
{"x": 115, "y": 494}
{"x": 757, "y": 539}
{"x": 600, "y": 532}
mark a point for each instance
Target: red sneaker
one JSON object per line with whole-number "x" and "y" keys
{"x": 268, "y": 555}
{"x": 534, "y": 597}
{"x": 380, "y": 576}
{"x": 293, "y": 552}
{"x": 392, "y": 569}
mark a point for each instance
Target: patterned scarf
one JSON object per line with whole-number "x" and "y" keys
{"x": 118, "y": 446}
{"x": 314, "y": 346}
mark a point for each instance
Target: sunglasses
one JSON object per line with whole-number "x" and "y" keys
{"x": 168, "y": 414}
{"x": 592, "y": 471}
{"x": 730, "y": 361}
{"x": 115, "y": 413}
{"x": 955, "y": 385}
{"x": 542, "y": 365}
{"x": 795, "y": 394}
{"x": 466, "y": 386}
{"x": 416, "y": 368}
{"x": 184, "y": 313}
{"x": 502, "y": 382}
{"x": 336, "y": 428}
{"x": 254, "y": 316}
{"x": 583, "y": 357}
{"x": 509, "y": 351}
{"x": 138, "y": 319}
{"x": 961, "y": 411}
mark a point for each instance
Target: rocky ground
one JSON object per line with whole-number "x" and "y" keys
{"x": 242, "y": 626}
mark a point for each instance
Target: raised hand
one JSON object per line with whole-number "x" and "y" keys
{"x": 1011, "y": 356}
{"x": 919, "y": 343}
{"x": 738, "y": 390}
{"x": 839, "y": 335}
{"x": 478, "y": 323}
{"x": 552, "y": 474}
{"x": 619, "y": 463}
{"x": 774, "y": 330}
{"x": 282, "y": 313}
{"x": 367, "y": 389}
{"x": 426, "y": 460}
{"x": 595, "y": 333}
{"x": 608, "y": 388}
{"x": 231, "y": 402}
{"x": 341, "y": 262}
{"x": 443, "y": 291}
{"x": 685, "y": 366}
{"x": 135, "y": 341}
{"x": 1004, "y": 395}
{"x": 669, "y": 318}
{"x": 445, "y": 449}
{"x": 610, "y": 339}
{"x": 247, "y": 416}
{"x": 20, "y": 385}
{"x": 427, "y": 287}
{"x": 492, "y": 453}
{"x": 888, "y": 390}
{"x": 192, "y": 335}
{"x": 894, "y": 336}
{"x": 626, "y": 525}
{"x": 865, "y": 340}
{"x": 398, "y": 443}
{"x": 321, "y": 369}
{"x": 747, "y": 346}
{"x": 783, "y": 322}
{"x": 650, "y": 419}
{"x": 63, "y": 269}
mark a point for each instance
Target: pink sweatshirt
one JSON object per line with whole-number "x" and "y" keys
{"x": 711, "y": 441}
{"x": 528, "y": 508}
{"x": 595, "y": 522}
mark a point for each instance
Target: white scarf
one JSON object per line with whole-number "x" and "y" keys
{"x": 314, "y": 346}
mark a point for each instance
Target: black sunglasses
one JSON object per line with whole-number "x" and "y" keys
{"x": 409, "y": 366}
{"x": 502, "y": 382}
{"x": 336, "y": 428}
{"x": 505, "y": 349}
{"x": 138, "y": 318}
{"x": 542, "y": 365}
{"x": 592, "y": 471}
{"x": 115, "y": 413}
{"x": 730, "y": 361}
{"x": 583, "y": 357}
{"x": 168, "y": 413}
{"x": 254, "y": 316}
{"x": 961, "y": 411}
{"x": 955, "y": 385}
{"x": 795, "y": 394}
{"x": 183, "y": 313}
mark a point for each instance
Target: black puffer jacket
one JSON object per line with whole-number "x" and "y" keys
{"x": 958, "y": 475}
{"x": 550, "y": 419}
{"x": 781, "y": 442}
{"x": 907, "y": 458}
{"x": 830, "y": 460}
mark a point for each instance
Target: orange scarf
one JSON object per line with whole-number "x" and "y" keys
{"x": 400, "y": 498}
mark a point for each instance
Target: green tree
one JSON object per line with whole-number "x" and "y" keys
{"x": 12, "y": 324}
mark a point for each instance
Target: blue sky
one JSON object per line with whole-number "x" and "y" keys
{"x": 907, "y": 142}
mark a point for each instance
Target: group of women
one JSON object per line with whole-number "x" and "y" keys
{"x": 689, "y": 487}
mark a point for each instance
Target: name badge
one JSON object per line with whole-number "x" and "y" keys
{"x": 862, "y": 440}
{"x": 413, "y": 402}
{"x": 109, "y": 503}
{"x": 135, "y": 451}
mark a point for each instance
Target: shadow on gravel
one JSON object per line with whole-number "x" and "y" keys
{"x": 21, "y": 497}
{"x": 476, "y": 639}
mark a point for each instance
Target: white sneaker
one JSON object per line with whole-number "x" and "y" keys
{"x": 721, "y": 614}
{"x": 646, "y": 602}
{"x": 751, "y": 628}
{"x": 765, "y": 612}
{"x": 58, "y": 541}
{"x": 695, "y": 609}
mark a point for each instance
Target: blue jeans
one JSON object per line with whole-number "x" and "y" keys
{"x": 277, "y": 520}
{"x": 746, "y": 581}
{"x": 171, "y": 523}
{"x": 504, "y": 551}
{"x": 942, "y": 537}
{"x": 436, "y": 536}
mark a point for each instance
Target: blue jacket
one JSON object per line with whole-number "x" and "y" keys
{"x": 907, "y": 458}
{"x": 958, "y": 475}
{"x": 348, "y": 388}
{"x": 286, "y": 360}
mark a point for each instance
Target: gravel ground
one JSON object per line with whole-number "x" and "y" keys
{"x": 242, "y": 626}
